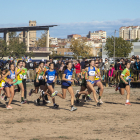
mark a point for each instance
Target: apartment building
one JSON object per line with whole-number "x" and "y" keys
{"x": 129, "y": 32}
{"x": 96, "y": 35}
{"x": 75, "y": 36}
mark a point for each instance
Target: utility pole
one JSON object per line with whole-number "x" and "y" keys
{"x": 114, "y": 44}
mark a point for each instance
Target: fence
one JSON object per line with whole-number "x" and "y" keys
{"x": 106, "y": 80}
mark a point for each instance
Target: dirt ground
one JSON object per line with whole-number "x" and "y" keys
{"x": 111, "y": 121}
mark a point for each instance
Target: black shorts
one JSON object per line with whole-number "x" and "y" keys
{"x": 41, "y": 82}
{"x": 65, "y": 87}
{"x": 123, "y": 85}
{"x": 48, "y": 84}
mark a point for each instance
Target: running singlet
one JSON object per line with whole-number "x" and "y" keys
{"x": 12, "y": 75}
{"x": 67, "y": 76}
{"x": 97, "y": 77}
{"x": 19, "y": 76}
{"x": 50, "y": 76}
{"x": 126, "y": 75}
{"x": 24, "y": 72}
{"x": 91, "y": 72}
{"x": 3, "y": 82}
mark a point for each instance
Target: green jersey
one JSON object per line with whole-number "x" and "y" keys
{"x": 126, "y": 75}
{"x": 24, "y": 72}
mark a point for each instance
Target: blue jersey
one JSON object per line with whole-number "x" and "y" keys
{"x": 91, "y": 72}
{"x": 67, "y": 76}
{"x": 50, "y": 75}
{"x": 12, "y": 75}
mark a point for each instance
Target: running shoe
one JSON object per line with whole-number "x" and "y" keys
{"x": 76, "y": 95}
{"x": 5, "y": 98}
{"x": 8, "y": 107}
{"x": 48, "y": 102}
{"x": 100, "y": 101}
{"x": 37, "y": 102}
{"x": 73, "y": 109}
{"x": 128, "y": 104}
{"x": 31, "y": 91}
{"x": 55, "y": 106}
{"x": 88, "y": 98}
{"x": 23, "y": 102}
{"x": 54, "y": 94}
{"x": 98, "y": 104}
{"x": 2, "y": 97}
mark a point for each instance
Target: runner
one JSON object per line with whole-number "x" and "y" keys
{"x": 50, "y": 79}
{"x": 89, "y": 76}
{"x": 39, "y": 81}
{"x": 98, "y": 81}
{"x": 24, "y": 77}
{"x": 66, "y": 85}
{"x": 124, "y": 82}
{"x": 18, "y": 72}
{"x": 9, "y": 88}
{"x": 83, "y": 86}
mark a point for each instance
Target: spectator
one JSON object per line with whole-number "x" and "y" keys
{"x": 78, "y": 69}
{"x": 51, "y": 61}
{"x": 117, "y": 65}
{"x": 101, "y": 64}
{"x": 106, "y": 65}
{"x": 122, "y": 65}
{"x": 110, "y": 74}
{"x": 137, "y": 64}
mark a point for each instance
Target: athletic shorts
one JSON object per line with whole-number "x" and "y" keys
{"x": 92, "y": 82}
{"x": 18, "y": 82}
{"x": 50, "y": 84}
{"x": 65, "y": 87}
{"x": 123, "y": 85}
{"x": 7, "y": 85}
{"x": 96, "y": 81}
{"x": 41, "y": 82}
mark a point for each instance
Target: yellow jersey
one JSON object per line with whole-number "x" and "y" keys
{"x": 19, "y": 76}
{"x": 97, "y": 77}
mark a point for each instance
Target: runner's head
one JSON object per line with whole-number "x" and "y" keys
{"x": 51, "y": 66}
{"x": 3, "y": 71}
{"x": 69, "y": 65}
{"x": 96, "y": 63}
{"x": 127, "y": 64}
{"x": 20, "y": 63}
{"x": 91, "y": 63}
{"x": 41, "y": 64}
{"x": 12, "y": 67}
{"x": 24, "y": 64}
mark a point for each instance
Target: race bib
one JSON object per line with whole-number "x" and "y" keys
{"x": 97, "y": 77}
{"x": 92, "y": 73}
{"x": 69, "y": 77}
{"x": 46, "y": 76}
{"x": 127, "y": 78}
{"x": 51, "y": 78}
{"x": 31, "y": 64}
{"x": 21, "y": 76}
{"x": 3, "y": 84}
{"x": 40, "y": 77}
{"x": 13, "y": 76}
{"x": 24, "y": 77}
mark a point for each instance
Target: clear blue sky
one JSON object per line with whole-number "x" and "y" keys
{"x": 72, "y": 16}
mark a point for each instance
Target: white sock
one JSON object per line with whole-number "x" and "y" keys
{"x": 127, "y": 101}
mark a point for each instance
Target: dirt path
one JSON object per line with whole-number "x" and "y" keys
{"x": 111, "y": 121}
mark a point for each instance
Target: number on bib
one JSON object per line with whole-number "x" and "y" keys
{"x": 21, "y": 76}
{"x": 24, "y": 77}
{"x": 13, "y": 76}
{"x": 3, "y": 84}
{"x": 69, "y": 77}
{"x": 92, "y": 73}
{"x": 51, "y": 78}
{"x": 40, "y": 77}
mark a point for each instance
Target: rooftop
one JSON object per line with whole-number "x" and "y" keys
{"x": 16, "y": 29}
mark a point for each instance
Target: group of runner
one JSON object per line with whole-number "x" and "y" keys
{"x": 46, "y": 76}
